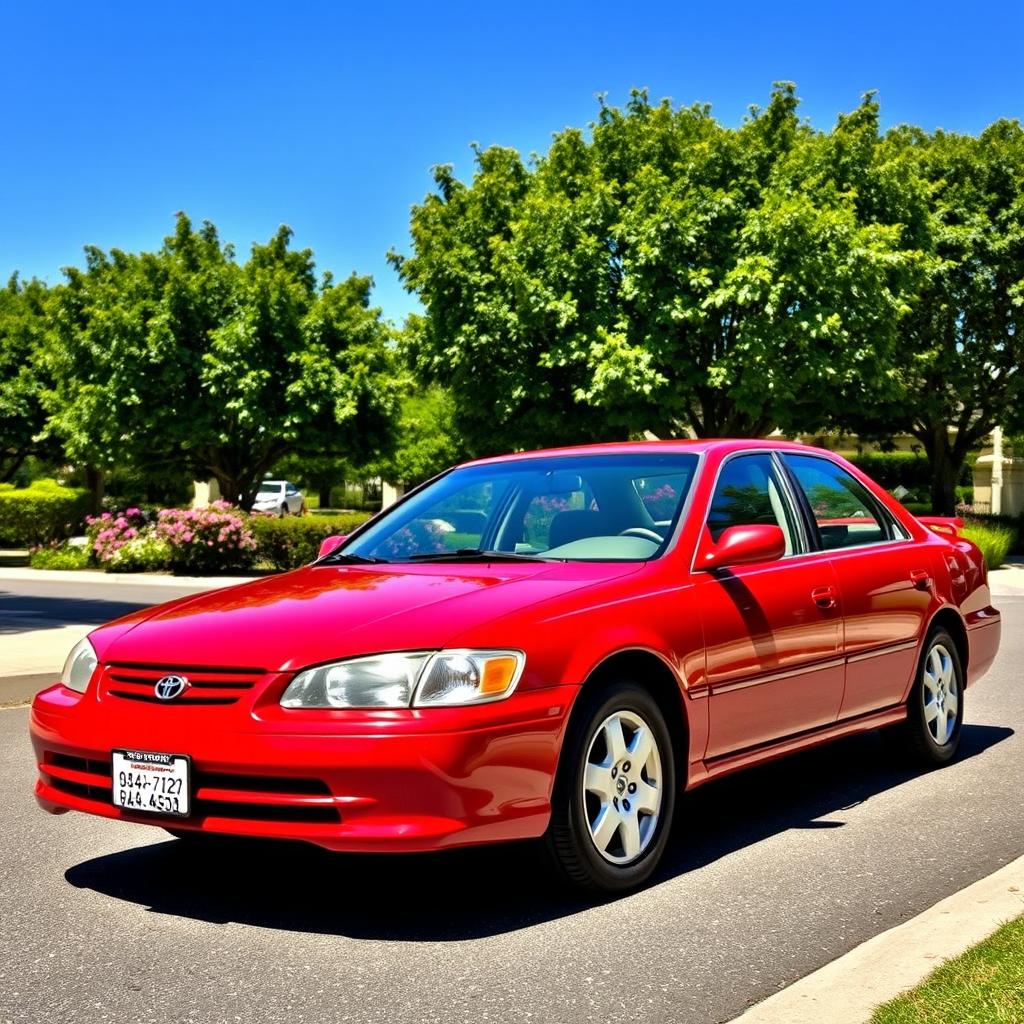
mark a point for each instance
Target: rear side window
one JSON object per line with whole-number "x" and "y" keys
{"x": 844, "y": 511}
{"x": 749, "y": 493}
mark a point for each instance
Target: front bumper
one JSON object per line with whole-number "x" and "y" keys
{"x": 371, "y": 781}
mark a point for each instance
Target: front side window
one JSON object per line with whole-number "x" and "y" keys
{"x": 843, "y": 510}
{"x": 748, "y": 493}
{"x": 571, "y": 508}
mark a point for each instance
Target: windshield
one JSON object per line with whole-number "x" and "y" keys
{"x": 268, "y": 489}
{"x": 571, "y": 508}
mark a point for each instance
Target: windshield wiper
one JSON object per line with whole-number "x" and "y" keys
{"x": 341, "y": 556}
{"x": 478, "y": 555}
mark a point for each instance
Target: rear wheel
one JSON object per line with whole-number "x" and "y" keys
{"x": 614, "y": 795}
{"x": 935, "y": 709}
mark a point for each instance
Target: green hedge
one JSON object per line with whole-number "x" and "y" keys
{"x": 293, "y": 541}
{"x": 895, "y": 469}
{"x": 40, "y": 514}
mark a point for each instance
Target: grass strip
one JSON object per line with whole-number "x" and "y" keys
{"x": 984, "y": 985}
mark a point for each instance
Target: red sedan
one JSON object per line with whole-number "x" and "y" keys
{"x": 552, "y": 644}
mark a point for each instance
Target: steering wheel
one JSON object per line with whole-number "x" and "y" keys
{"x": 642, "y": 531}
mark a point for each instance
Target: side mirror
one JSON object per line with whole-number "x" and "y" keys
{"x": 332, "y": 543}
{"x": 742, "y": 545}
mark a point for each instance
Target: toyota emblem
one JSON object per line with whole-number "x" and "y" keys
{"x": 170, "y": 687}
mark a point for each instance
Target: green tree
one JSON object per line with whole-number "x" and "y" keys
{"x": 187, "y": 357}
{"x": 22, "y": 375}
{"x": 961, "y": 352}
{"x": 428, "y": 442}
{"x": 666, "y": 273}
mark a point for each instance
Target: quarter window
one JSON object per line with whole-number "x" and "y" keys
{"x": 845, "y": 513}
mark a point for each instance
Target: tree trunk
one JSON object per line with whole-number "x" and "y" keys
{"x": 325, "y": 495}
{"x": 94, "y": 481}
{"x": 11, "y": 468}
{"x": 946, "y": 463}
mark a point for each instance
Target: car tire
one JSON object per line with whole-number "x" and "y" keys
{"x": 611, "y": 812}
{"x": 284, "y": 509}
{"x": 935, "y": 707}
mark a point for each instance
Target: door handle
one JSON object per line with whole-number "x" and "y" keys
{"x": 824, "y": 597}
{"x": 921, "y": 579}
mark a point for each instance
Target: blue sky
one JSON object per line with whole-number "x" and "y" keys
{"x": 329, "y": 116}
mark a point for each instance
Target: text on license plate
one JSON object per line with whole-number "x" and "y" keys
{"x": 150, "y": 782}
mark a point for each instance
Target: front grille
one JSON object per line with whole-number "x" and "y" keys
{"x": 274, "y": 798}
{"x": 207, "y": 686}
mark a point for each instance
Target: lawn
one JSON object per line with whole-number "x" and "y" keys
{"x": 985, "y": 985}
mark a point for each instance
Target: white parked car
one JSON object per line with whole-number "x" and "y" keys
{"x": 280, "y": 497}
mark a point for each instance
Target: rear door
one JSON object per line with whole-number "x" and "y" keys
{"x": 885, "y": 581}
{"x": 773, "y": 631}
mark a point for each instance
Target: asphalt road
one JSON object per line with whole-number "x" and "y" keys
{"x": 38, "y": 604}
{"x": 770, "y": 875}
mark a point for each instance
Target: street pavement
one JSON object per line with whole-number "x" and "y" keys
{"x": 770, "y": 875}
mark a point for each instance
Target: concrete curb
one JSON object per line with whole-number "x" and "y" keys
{"x": 848, "y": 990}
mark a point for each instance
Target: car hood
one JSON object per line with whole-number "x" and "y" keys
{"x": 319, "y": 613}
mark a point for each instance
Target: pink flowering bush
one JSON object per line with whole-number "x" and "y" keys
{"x": 206, "y": 540}
{"x": 125, "y": 542}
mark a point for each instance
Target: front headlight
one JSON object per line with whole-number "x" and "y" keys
{"x": 79, "y": 667}
{"x": 417, "y": 679}
{"x": 384, "y": 681}
{"x": 469, "y": 677}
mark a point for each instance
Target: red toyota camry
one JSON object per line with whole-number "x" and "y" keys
{"x": 552, "y": 644}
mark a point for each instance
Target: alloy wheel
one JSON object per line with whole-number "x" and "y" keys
{"x": 940, "y": 694}
{"x": 622, "y": 787}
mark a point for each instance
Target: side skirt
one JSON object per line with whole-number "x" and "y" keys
{"x": 738, "y": 760}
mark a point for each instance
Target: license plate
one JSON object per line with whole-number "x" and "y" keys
{"x": 151, "y": 783}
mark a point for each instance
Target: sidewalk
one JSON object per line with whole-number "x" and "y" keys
{"x": 114, "y": 579}
{"x": 1007, "y": 580}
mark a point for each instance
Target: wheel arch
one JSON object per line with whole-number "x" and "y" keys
{"x": 651, "y": 671}
{"x": 950, "y": 620}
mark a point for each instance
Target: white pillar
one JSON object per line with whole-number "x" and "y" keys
{"x": 997, "y": 471}
{"x": 390, "y": 493}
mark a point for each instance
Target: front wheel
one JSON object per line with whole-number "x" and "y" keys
{"x": 614, "y": 795}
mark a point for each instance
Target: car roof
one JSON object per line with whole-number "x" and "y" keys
{"x": 725, "y": 445}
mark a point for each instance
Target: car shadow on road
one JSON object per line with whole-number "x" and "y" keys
{"x": 23, "y": 613}
{"x": 472, "y": 893}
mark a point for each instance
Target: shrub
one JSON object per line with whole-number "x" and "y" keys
{"x": 290, "y": 542}
{"x": 145, "y": 552}
{"x": 1015, "y": 524}
{"x": 60, "y": 557}
{"x": 995, "y": 541}
{"x": 895, "y": 469}
{"x": 40, "y": 514}
{"x": 209, "y": 540}
{"x": 111, "y": 531}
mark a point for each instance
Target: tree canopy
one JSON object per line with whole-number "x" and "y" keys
{"x": 187, "y": 356}
{"x": 665, "y": 273}
{"x": 958, "y": 361}
{"x": 23, "y": 378}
